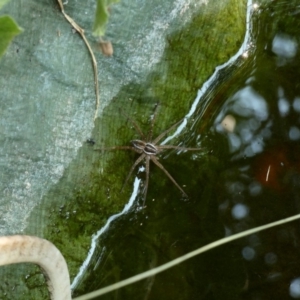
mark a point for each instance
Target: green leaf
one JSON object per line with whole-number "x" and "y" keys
{"x": 8, "y": 30}
{"x": 101, "y": 17}
{"x": 3, "y": 2}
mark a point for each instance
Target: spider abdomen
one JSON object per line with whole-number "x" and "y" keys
{"x": 147, "y": 148}
{"x": 150, "y": 149}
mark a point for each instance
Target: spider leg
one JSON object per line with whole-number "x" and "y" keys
{"x": 132, "y": 168}
{"x": 137, "y": 128}
{"x": 155, "y": 160}
{"x": 147, "y": 178}
{"x": 116, "y": 148}
{"x": 162, "y": 147}
{"x": 150, "y": 133}
{"x": 156, "y": 140}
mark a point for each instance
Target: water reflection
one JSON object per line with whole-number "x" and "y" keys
{"x": 295, "y": 288}
{"x": 259, "y": 120}
{"x": 285, "y": 47}
{"x": 240, "y": 211}
{"x": 251, "y": 110}
{"x": 248, "y": 253}
{"x": 296, "y": 104}
{"x": 283, "y": 104}
{"x": 263, "y": 182}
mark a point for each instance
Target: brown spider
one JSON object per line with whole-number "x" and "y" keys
{"x": 148, "y": 149}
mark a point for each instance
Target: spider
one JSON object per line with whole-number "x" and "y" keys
{"x": 148, "y": 149}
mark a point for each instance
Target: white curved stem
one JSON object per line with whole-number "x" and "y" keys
{"x": 24, "y": 248}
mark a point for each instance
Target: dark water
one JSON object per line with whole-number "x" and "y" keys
{"x": 261, "y": 180}
{"x": 241, "y": 179}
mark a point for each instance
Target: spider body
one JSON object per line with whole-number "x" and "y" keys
{"x": 148, "y": 149}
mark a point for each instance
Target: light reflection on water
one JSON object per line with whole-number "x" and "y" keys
{"x": 95, "y": 239}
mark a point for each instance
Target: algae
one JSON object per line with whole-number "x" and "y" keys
{"x": 90, "y": 188}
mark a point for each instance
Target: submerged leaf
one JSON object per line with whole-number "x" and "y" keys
{"x": 101, "y": 16}
{"x": 8, "y": 30}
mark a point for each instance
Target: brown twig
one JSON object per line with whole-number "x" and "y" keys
{"x": 81, "y": 32}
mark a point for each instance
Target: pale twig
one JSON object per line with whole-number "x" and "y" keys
{"x": 23, "y": 248}
{"x": 81, "y": 32}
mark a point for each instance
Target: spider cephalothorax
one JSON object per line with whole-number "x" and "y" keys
{"x": 148, "y": 148}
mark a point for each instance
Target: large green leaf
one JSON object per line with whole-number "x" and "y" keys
{"x": 8, "y": 30}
